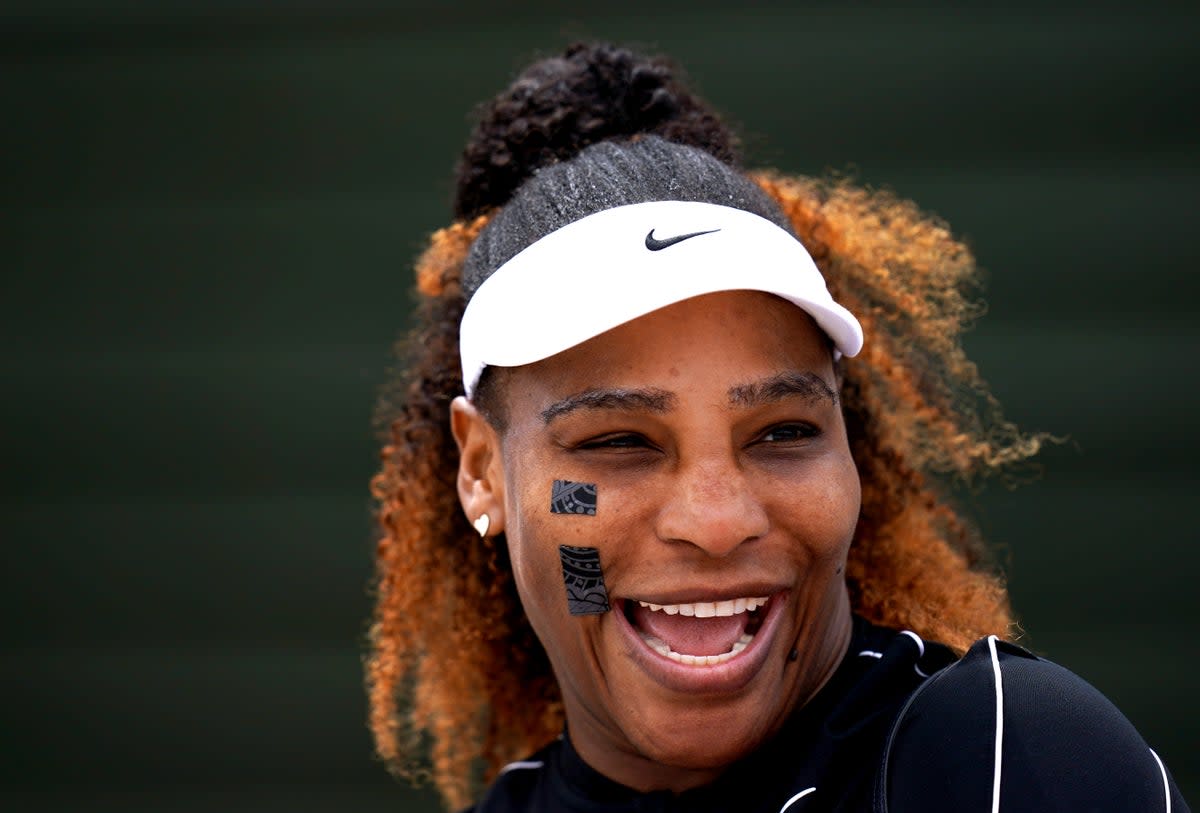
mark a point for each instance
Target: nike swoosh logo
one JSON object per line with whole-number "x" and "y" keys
{"x": 658, "y": 245}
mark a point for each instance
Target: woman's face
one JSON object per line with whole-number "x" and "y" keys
{"x": 715, "y": 439}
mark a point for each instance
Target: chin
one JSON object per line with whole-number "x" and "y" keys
{"x": 701, "y": 755}
{"x": 688, "y": 744}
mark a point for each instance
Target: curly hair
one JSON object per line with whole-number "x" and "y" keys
{"x": 558, "y": 105}
{"x": 458, "y": 683}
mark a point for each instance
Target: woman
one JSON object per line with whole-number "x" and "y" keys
{"x": 657, "y": 524}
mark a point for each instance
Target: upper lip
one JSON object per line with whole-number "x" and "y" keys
{"x": 696, "y": 595}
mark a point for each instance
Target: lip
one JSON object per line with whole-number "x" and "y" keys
{"x": 723, "y": 678}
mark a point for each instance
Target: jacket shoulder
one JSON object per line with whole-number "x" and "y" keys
{"x": 1003, "y": 721}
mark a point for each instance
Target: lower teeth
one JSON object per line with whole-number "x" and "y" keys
{"x": 697, "y": 660}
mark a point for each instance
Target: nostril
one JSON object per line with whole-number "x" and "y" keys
{"x": 713, "y": 507}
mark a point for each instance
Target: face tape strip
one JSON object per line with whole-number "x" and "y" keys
{"x": 586, "y": 594}
{"x": 567, "y": 497}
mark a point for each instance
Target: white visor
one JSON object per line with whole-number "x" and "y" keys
{"x": 616, "y": 265}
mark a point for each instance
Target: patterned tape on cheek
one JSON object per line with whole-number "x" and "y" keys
{"x": 567, "y": 497}
{"x": 584, "y": 581}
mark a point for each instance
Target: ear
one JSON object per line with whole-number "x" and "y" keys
{"x": 480, "y": 465}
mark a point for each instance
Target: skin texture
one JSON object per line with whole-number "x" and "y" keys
{"x": 713, "y": 430}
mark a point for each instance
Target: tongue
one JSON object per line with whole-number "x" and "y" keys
{"x": 689, "y": 635}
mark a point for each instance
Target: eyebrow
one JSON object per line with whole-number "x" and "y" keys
{"x": 769, "y": 390}
{"x": 654, "y": 400}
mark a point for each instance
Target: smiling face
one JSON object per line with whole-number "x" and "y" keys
{"x": 726, "y": 503}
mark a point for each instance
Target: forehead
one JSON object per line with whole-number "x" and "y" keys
{"x": 703, "y": 346}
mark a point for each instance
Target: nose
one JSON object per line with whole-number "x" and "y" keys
{"x": 713, "y": 507}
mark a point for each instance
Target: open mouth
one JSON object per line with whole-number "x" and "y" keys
{"x": 704, "y": 633}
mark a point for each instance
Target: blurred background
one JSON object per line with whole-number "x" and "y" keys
{"x": 209, "y": 216}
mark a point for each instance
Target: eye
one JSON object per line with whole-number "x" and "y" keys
{"x": 789, "y": 433}
{"x": 624, "y": 440}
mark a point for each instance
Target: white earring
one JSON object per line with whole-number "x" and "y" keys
{"x": 482, "y": 524}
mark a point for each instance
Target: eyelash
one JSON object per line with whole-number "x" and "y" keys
{"x": 803, "y": 431}
{"x": 624, "y": 440}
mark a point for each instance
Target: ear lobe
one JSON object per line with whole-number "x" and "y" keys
{"x": 480, "y": 478}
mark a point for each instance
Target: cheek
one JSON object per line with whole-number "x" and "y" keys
{"x": 533, "y": 562}
{"x": 846, "y": 488}
{"x": 539, "y": 584}
{"x": 846, "y": 505}
{"x": 826, "y": 508}
{"x": 542, "y": 517}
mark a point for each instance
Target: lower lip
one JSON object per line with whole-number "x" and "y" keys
{"x": 721, "y": 678}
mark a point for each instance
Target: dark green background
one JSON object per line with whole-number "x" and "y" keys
{"x": 209, "y": 216}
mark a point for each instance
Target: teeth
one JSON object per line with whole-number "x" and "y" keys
{"x": 703, "y": 609}
{"x": 697, "y": 660}
{"x": 708, "y": 609}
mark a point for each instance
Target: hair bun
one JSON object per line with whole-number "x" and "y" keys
{"x": 558, "y": 106}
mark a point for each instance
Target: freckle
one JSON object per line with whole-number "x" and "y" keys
{"x": 674, "y": 372}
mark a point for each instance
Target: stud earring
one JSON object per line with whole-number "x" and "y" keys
{"x": 482, "y": 524}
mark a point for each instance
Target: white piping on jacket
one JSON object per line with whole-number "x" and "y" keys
{"x": 1162, "y": 769}
{"x": 795, "y": 799}
{"x": 520, "y": 766}
{"x": 999, "y": 724}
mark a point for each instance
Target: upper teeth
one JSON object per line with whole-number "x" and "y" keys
{"x": 708, "y": 609}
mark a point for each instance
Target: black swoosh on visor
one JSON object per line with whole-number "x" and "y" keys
{"x": 658, "y": 245}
